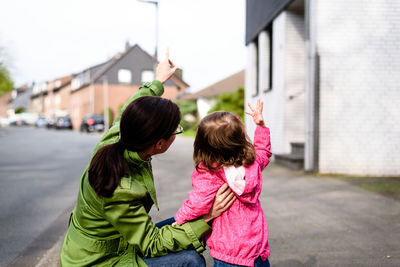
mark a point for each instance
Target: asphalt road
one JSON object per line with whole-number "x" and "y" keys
{"x": 312, "y": 221}
{"x": 39, "y": 173}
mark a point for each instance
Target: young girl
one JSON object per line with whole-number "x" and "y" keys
{"x": 224, "y": 154}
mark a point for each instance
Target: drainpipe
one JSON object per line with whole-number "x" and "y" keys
{"x": 311, "y": 148}
{"x": 91, "y": 97}
{"x": 106, "y": 113}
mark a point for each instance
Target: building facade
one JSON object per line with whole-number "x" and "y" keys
{"x": 327, "y": 72}
{"x": 109, "y": 85}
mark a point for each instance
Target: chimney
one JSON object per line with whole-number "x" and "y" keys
{"x": 127, "y": 45}
{"x": 178, "y": 73}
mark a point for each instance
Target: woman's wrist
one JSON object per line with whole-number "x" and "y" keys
{"x": 207, "y": 218}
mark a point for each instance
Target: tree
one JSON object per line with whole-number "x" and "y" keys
{"x": 232, "y": 102}
{"x": 6, "y": 83}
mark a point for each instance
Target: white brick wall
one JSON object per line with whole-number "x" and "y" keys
{"x": 359, "y": 46}
{"x": 294, "y": 78}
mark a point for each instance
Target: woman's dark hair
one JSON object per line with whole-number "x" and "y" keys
{"x": 221, "y": 139}
{"x": 144, "y": 121}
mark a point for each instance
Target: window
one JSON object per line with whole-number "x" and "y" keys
{"x": 124, "y": 76}
{"x": 264, "y": 55}
{"x": 251, "y": 69}
{"x": 147, "y": 76}
{"x": 75, "y": 83}
{"x": 57, "y": 100}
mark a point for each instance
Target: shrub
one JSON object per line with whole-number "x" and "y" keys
{"x": 232, "y": 102}
{"x": 188, "y": 110}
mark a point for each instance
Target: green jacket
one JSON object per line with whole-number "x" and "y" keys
{"x": 115, "y": 231}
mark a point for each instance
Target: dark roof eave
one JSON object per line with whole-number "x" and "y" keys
{"x": 282, "y": 4}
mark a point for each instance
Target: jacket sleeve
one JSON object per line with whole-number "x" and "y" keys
{"x": 262, "y": 145}
{"x": 133, "y": 222}
{"x": 154, "y": 89}
{"x": 201, "y": 198}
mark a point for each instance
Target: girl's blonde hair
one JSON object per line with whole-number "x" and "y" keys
{"x": 221, "y": 140}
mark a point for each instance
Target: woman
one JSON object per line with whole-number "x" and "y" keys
{"x": 110, "y": 224}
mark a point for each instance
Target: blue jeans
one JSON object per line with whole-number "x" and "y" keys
{"x": 184, "y": 258}
{"x": 257, "y": 263}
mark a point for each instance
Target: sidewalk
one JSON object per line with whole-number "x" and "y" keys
{"x": 312, "y": 221}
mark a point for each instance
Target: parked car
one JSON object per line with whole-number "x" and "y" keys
{"x": 41, "y": 122}
{"x": 64, "y": 123}
{"x": 92, "y": 123}
{"x": 18, "y": 122}
{"x": 51, "y": 122}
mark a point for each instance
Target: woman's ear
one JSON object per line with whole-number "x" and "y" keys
{"x": 159, "y": 145}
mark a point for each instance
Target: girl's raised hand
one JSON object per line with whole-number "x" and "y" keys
{"x": 257, "y": 113}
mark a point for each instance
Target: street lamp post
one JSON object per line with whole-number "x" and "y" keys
{"x": 155, "y": 3}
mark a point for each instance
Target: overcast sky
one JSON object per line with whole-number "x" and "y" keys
{"x": 46, "y": 39}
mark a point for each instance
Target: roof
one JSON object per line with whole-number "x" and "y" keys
{"x": 63, "y": 82}
{"x": 106, "y": 66}
{"x": 227, "y": 85}
{"x": 260, "y": 13}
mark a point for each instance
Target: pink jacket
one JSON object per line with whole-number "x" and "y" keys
{"x": 240, "y": 234}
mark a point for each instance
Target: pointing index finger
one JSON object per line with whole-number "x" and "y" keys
{"x": 167, "y": 54}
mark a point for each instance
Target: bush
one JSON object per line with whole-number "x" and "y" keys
{"x": 232, "y": 102}
{"x": 188, "y": 110}
{"x": 19, "y": 110}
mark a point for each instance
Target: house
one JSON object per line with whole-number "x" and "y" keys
{"x": 110, "y": 84}
{"x": 36, "y": 105}
{"x": 51, "y": 99}
{"x": 20, "y": 98}
{"x": 206, "y": 97}
{"x": 327, "y": 72}
{"x": 62, "y": 93}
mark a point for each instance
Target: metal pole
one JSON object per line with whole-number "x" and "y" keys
{"x": 106, "y": 113}
{"x": 155, "y": 58}
{"x": 156, "y": 48}
{"x": 310, "y": 152}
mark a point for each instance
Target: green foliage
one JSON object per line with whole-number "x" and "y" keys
{"x": 19, "y": 110}
{"x": 232, "y": 102}
{"x": 6, "y": 83}
{"x": 188, "y": 108}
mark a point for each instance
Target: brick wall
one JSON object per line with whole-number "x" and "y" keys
{"x": 294, "y": 77}
{"x": 118, "y": 95}
{"x": 63, "y": 95}
{"x": 358, "y": 43}
{"x": 79, "y": 106}
{"x": 4, "y": 106}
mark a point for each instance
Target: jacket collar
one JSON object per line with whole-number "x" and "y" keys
{"x": 133, "y": 158}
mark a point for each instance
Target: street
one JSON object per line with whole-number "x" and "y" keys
{"x": 39, "y": 174}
